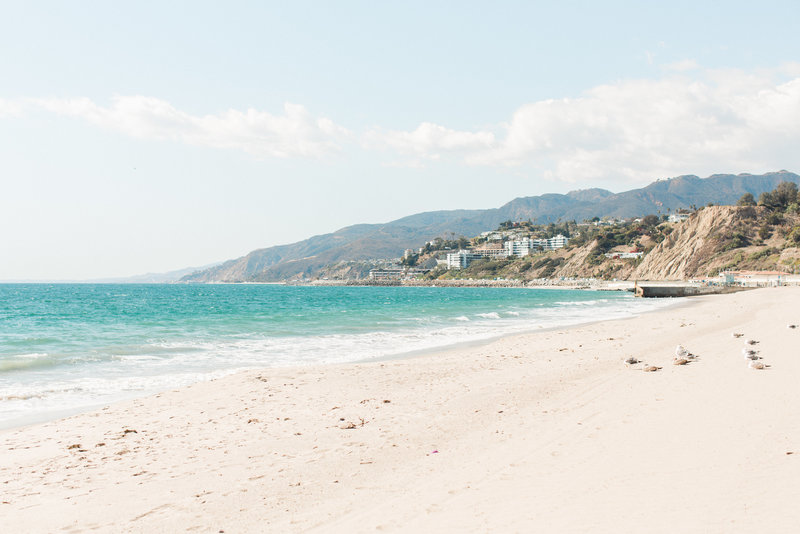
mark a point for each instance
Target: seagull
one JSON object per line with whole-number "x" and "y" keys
{"x": 749, "y": 353}
{"x": 791, "y": 326}
{"x": 680, "y": 361}
{"x": 750, "y": 341}
{"x": 681, "y": 352}
{"x": 757, "y": 365}
{"x": 651, "y": 368}
{"x": 632, "y": 361}
{"x": 736, "y": 334}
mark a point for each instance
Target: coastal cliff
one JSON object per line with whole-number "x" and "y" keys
{"x": 714, "y": 238}
{"x": 314, "y": 257}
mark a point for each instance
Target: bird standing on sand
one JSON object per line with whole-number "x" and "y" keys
{"x": 757, "y": 365}
{"x": 650, "y": 368}
{"x": 736, "y": 334}
{"x": 750, "y": 341}
{"x": 681, "y": 352}
{"x": 792, "y": 326}
{"x": 632, "y": 361}
{"x": 680, "y": 361}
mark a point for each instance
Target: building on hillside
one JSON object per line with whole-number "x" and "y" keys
{"x": 520, "y": 247}
{"x": 500, "y": 235}
{"x": 524, "y": 247}
{"x": 491, "y": 250}
{"x": 677, "y": 217}
{"x": 461, "y": 259}
{"x": 609, "y": 222}
{"x": 623, "y": 255}
{"x": 558, "y": 241}
{"x": 517, "y": 247}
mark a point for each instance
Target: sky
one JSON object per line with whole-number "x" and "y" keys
{"x": 147, "y": 136}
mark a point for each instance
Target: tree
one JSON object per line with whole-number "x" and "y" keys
{"x": 766, "y": 199}
{"x": 650, "y": 220}
{"x": 747, "y": 200}
{"x": 410, "y": 260}
{"x": 785, "y": 194}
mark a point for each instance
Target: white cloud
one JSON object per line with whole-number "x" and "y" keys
{"x": 637, "y": 130}
{"x": 295, "y": 133}
{"x": 429, "y": 141}
{"x": 691, "y": 120}
{"x": 9, "y": 108}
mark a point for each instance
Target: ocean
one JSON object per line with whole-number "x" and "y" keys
{"x": 65, "y": 348}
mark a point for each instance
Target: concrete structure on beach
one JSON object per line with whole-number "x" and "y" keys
{"x": 758, "y": 278}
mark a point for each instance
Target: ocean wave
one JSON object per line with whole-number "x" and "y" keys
{"x": 27, "y": 363}
{"x": 580, "y": 302}
{"x": 110, "y": 371}
{"x": 33, "y": 355}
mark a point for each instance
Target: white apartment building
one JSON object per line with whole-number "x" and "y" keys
{"x": 558, "y": 241}
{"x": 491, "y": 250}
{"x": 523, "y": 247}
{"x": 519, "y": 248}
{"x": 461, "y": 259}
{"x": 677, "y": 217}
{"x": 623, "y": 255}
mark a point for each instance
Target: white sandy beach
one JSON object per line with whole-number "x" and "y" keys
{"x": 545, "y": 432}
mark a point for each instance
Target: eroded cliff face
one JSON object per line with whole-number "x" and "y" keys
{"x": 694, "y": 246}
{"x": 713, "y": 239}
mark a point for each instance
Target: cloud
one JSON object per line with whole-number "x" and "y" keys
{"x": 9, "y": 108}
{"x": 637, "y": 130}
{"x": 429, "y": 141}
{"x": 295, "y": 133}
{"x": 690, "y": 120}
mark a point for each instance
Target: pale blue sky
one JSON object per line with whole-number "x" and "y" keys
{"x": 151, "y": 136}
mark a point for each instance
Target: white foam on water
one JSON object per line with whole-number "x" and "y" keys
{"x": 161, "y": 365}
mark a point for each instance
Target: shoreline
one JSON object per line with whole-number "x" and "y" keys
{"x": 549, "y": 430}
{"x": 674, "y": 302}
{"x": 486, "y": 332}
{"x": 412, "y": 354}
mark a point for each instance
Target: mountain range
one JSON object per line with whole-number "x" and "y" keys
{"x": 380, "y": 241}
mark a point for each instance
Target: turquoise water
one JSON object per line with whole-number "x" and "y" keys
{"x": 67, "y": 347}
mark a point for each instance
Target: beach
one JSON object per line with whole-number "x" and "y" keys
{"x": 548, "y": 431}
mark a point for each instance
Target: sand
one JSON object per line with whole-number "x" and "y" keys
{"x": 544, "y": 432}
